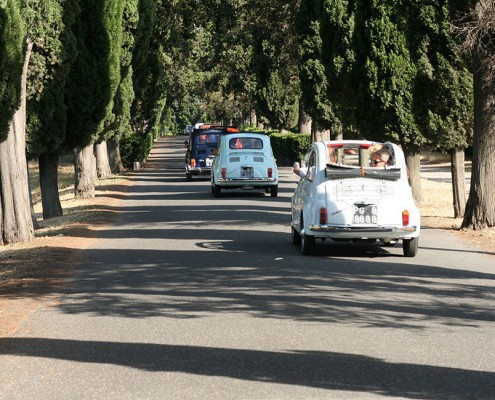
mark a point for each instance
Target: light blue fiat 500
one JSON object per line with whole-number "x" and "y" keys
{"x": 244, "y": 161}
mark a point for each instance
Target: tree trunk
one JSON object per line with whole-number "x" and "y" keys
{"x": 253, "y": 120}
{"x": 458, "y": 181}
{"x": 85, "y": 172}
{"x": 36, "y": 225}
{"x": 16, "y": 224}
{"x": 304, "y": 120}
{"x": 339, "y": 135}
{"x": 480, "y": 207}
{"x": 413, "y": 162}
{"x": 323, "y": 135}
{"x": 113, "y": 148}
{"x": 313, "y": 133}
{"x": 50, "y": 199}
{"x": 102, "y": 163}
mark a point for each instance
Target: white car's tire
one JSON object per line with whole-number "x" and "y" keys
{"x": 295, "y": 236}
{"x": 307, "y": 244}
{"x": 410, "y": 247}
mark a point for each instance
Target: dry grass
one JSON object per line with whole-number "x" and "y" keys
{"x": 437, "y": 212}
{"x": 65, "y": 177}
{"x": 33, "y": 273}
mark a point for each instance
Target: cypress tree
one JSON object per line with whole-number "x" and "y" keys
{"x": 11, "y": 61}
{"x": 124, "y": 96}
{"x": 49, "y": 25}
{"x": 16, "y": 224}
{"x": 275, "y": 61}
{"x": 91, "y": 86}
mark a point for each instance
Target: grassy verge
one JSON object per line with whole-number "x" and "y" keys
{"x": 65, "y": 177}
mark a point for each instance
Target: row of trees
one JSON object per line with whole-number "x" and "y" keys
{"x": 98, "y": 76}
{"x": 95, "y": 73}
{"x": 404, "y": 71}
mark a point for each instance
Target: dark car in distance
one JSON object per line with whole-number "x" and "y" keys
{"x": 201, "y": 149}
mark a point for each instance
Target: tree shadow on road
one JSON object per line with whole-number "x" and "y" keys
{"x": 323, "y": 370}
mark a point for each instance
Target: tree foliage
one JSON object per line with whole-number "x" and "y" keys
{"x": 49, "y": 25}
{"x": 314, "y": 82}
{"x": 386, "y": 73}
{"x": 338, "y": 55}
{"x": 12, "y": 35}
{"x": 88, "y": 89}
{"x": 119, "y": 124}
{"x": 148, "y": 74}
{"x": 275, "y": 61}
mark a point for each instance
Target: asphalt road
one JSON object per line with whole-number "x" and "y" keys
{"x": 186, "y": 296}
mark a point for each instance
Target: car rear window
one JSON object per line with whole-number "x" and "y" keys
{"x": 208, "y": 139}
{"x": 246, "y": 143}
{"x": 360, "y": 155}
{"x": 351, "y": 161}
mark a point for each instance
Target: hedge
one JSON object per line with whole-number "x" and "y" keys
{"x": 135, "y": 148}
{"x": 289, "y": 147}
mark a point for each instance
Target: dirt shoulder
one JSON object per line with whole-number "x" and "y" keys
{"x": 437, "y": 212}
{"x": 33, "y": 274}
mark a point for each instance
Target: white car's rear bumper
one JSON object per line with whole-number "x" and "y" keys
{"x": 367, "y": 232}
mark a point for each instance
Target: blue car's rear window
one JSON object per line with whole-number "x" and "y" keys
{"x": 246, "y": 143}
{"x": 207, "y": 139}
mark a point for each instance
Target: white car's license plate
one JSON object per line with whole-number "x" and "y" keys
{"x": 365, "y": 214}
{"x": 247, "y": 172}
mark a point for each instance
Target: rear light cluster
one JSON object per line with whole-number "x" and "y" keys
{"x": 323, "y": 216}
{"x": 224, "y": 173}
{"x": 193, "y": 162}
{"x": 270, "y": 172}
{"x": 405, "y": 217}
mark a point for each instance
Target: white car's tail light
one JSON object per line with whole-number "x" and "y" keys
{"x": 323, "y": 216}
{"x": 270, "y": 172}
{"x": 224, "y": 173}
{"x": 405, "y": 217}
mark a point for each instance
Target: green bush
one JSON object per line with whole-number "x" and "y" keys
{"x": 289, "y": 147}
{"x": 135, "y": 148}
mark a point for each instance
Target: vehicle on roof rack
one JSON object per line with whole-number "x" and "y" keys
{"x": 201, "y": 149}
{"x": 244, "y": 161}
{"x": 355, "y": 191}
{"x": 188, "y": 129}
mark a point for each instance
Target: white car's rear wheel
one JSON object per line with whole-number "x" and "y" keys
{"x": 307, "y": 244}
{"x": 295, "y": 236}
{"x": 410, "y": 246}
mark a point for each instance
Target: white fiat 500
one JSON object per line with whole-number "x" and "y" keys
{"x": 354, "y": 191}
{"x": 244, "y": 161}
